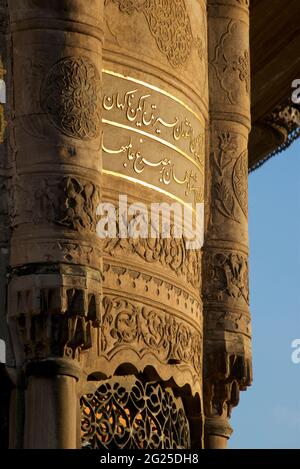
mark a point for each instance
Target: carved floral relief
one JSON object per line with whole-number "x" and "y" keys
{"x": 71, "y": 96}
{"x": 169, "y": 24}
{"x": 226, "y": 277}
{"x": 230, "y": 179}
{"x": 128, "y": 324}
{"x": 232, "y": 70}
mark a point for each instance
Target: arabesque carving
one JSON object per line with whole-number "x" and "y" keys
{"x": 227, "y": 65}
{"x": 230, "y": 193}
{"x": 66, "y": 201}
{"x": 71, "y": 96}
{"x": 227, "y": 276}
{"x": 170, "y": 25}
{"x": 168, "y": 252}
{"x": 132, "y": 325}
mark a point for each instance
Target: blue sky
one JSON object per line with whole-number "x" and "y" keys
{"x": 268, "y": 415}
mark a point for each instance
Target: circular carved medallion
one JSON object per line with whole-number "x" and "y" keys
{"x": 71, "y": 96}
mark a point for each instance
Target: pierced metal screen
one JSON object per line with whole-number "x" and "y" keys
{"x": 125, "y": 413}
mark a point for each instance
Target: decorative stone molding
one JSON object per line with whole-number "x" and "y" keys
{"x": 176, "y": 296}
{"x": 171, "y": 253}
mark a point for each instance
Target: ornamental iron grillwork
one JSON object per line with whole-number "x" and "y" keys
{"x": 126, "y": 413}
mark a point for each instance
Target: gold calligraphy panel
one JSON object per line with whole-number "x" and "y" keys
{"x": 153, "y": 138}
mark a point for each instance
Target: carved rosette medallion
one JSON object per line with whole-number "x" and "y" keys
{"x": 71, "y": 97}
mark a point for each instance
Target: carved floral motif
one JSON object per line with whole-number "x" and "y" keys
{"x": 240, "y": 181}
{"x": 144, "y": 329}
{"x": 230, "y": 193}
{"x": 71, "y": 96}
{"x": 170, "y": 25}
{"x": 68, "y": 201}
{"x": 169, "y": 252}
{"x": 224, "y": 63}
{"x": 80, "y": 204}
{"x": 226, "y": 276}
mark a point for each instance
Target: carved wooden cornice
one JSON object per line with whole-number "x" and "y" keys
{"x": 274, "y": 133}
{"x": 275, "y": 64}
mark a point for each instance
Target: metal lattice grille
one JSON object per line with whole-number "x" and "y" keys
{"x": 125, "y": 413}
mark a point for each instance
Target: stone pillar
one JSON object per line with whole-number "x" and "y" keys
{"x": 5, "y": 171}
{"x": 155, "y": 117}
{"x": 6, "y": 356}
{"x": 56, "y": 267}
{"x": 51, "y": 406}
{"x": 227, "y": 347}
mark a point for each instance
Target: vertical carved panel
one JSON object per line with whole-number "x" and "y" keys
{"x": 227, "y": 330}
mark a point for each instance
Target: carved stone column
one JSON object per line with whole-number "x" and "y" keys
{"x": 5, "y": 174}
{"x": 56, "y": 269}
{"x": 5, "y": 171}
{"x": 155, "y": 114}
{"x": 227, "y": 355}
